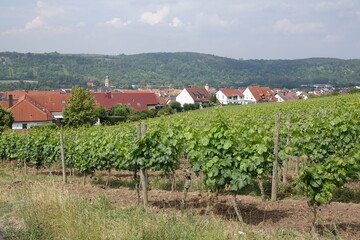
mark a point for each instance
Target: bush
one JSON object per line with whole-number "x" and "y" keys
{"x": 112, "y": 120}
{"x": 176, "y": 106}
{"x": 164, "y": 111}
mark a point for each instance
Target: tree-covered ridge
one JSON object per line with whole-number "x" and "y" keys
{"x": 54, "y": 70}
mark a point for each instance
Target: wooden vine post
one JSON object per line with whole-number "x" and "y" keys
{"x": 274, "y": 182}
{"x": 187, "y": 174}
{"x": 141, "y": 132}
{"x": 286, "y": 161}
{"x": 62, "y": 152}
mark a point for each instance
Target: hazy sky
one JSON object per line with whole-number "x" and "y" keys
{"x": 248, "y": 29}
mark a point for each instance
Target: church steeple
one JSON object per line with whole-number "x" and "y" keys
{"x": 107, "y": 81}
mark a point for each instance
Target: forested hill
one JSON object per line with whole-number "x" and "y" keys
{"x": 54, "y": 70}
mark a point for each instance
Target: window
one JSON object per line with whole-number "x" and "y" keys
{"x": 24, "y": 126}
{"x": 63, "y": 101}
{"x": 138, "y": 104}
{"x": 129, "y": 104}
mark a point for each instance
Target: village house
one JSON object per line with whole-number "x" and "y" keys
{"x": 193, "y": 95}
{"x": 33, "y": 108}
{"x": 230, "y": 96}
{"x": 137, "y": 100}
{"x": 286, "y": 96}
{"x": 256, "y": 94}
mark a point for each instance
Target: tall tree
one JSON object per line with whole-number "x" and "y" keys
{"x": 80, "y": 109}
{"x": 6, "y": 118}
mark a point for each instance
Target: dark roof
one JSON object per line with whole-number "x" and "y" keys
{"x": 199, "y": 94}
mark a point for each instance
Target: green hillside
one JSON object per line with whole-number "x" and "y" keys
{"x": 54, "y": 70}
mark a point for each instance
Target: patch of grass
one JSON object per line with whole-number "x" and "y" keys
{"x": 346, "y": 195}
{"x": 115, "y": 183}
{"x": 50, "y": 212}
{"x": 164, "y": 183}
{"x": 5, "y": 207}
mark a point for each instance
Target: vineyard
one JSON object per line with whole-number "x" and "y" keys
{"x": 314, "y": 144}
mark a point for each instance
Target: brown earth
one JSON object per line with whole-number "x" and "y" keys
{"x": 342, "y": 219}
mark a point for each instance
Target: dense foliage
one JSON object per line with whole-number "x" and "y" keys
{"x": 80, "y": 109}
{"x": 6, "y": 118}
{"x": 54, "y": 70}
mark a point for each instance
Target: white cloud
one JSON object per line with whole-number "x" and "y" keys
{"x": 212, "y": 20}
{"x": 117, "y": 22}
{"x": 333, "y": 5}
{"x": 35, "y": 23}
{"x": 40, "y": 4}
{"x": 155, "y": 18}
{"x": 286, "y": 26}
{"x": 176, "y": 22}
{"x": 331, "y": 38}
{"x": 81, "y": 24}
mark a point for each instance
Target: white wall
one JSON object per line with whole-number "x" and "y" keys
{"x": 279, "y": 99}
{"x": 221, "y": 97}
{"x": 184, "y": 97}
{"x": 57, "y": 115}
{"x": 248, "y": 97}
{"x": 19, "y": 125}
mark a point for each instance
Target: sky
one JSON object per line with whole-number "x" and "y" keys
{"x": 239, "y": 29}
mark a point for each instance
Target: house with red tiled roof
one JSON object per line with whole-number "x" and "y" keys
{"x": 230, "y": 96}
{"x": 256, "y": 94}
{"x": 193, "y": 95}
{"x": 27, "y": 112}
{"x": 286, "y": 96}
{"x": 138, "y": 101}
{"x": 35, "y": 107}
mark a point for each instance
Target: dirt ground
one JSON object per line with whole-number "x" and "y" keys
{"x": 343, "y": 219}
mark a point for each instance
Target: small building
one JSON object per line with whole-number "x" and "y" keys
{"x": 286, "y": 96}
{"x": 27, "y": 112}
{"x": 256, "y": 94}
{"x": 230, "y": 96}
{"x": 139, "y": 101}
{"x": 193, "y": 95}
{"x": 35, "y": 107}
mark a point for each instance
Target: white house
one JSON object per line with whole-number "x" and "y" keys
{"x": 193, "y": 95}
{"x": 226, "y": 96}
{"x": 254, "y": 94}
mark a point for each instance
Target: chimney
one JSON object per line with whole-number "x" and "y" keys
{"x": 11, "y": 100}
{"x": 207, "y": 87}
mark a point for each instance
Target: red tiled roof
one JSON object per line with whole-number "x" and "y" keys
{"x": 4, "y": 104}
{"x": 288, "y": 96}
{"x": 231, "y": 92}
{"x": 19, "y": 94}
{"x": 262, "y": 93}
{"x": 52, "y": 102}
{"x": 133, "y": 91}
{"x": 199, "y": 94}
{"x": 164, "y": 100}
{"x": 138, "y": 101}
{"x": 28, "y": 110}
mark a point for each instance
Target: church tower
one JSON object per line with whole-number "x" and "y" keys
{"x": 107, "y": 81}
